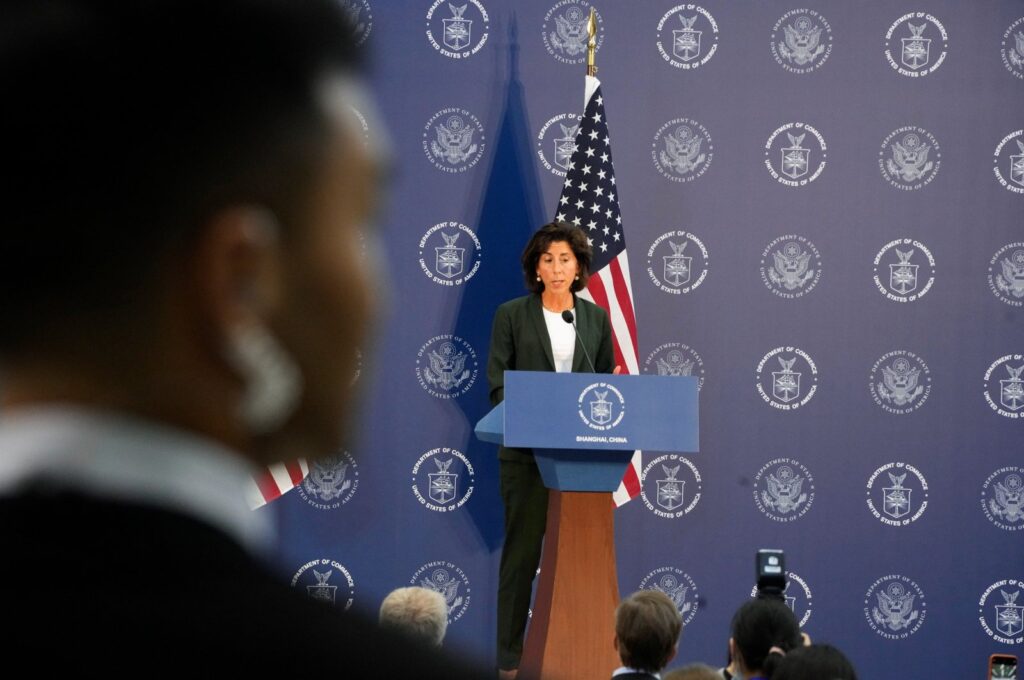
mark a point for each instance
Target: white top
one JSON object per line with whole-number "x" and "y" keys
{"x": 563, "y": 340}
{"x": 108, "y": 455}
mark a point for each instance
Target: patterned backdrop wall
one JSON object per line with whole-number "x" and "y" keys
{"x": 824, "y": 212}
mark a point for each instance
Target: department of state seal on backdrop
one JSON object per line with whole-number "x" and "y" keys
{"x": 783, "y": 490}
{"x": 556, "y": 142}
{"x": 444, "y": 577}
{"x": 453, "y": 140}
{"x": 457, "y": 30}
{"x": 1001, "y": 611}
{"x": 801, "y": 41}
{"x": 565, "y": 32}
{"x": 449, "y": 253}
{"x": 326, "y": 580}
{"x": 670, "y": 486}
{"x": 446, "y": 366}
{"x": 1012, "y": 48}
{"x": 795, "y": 154}
{"x": 360, "y": 15}
{"x": 787, "y": 378}
{"x": 904, "y": 270}
{"x": 799, "y": 599}
{"x": 682, "y": 150}
{"x": 1004, "y": 386}
{"x": 1006, "y": 274}
{"x": 790, "y": 266}
{"x": 331, "y": 482}
{"x": 687, "y": 36}
{"x": 1008, "y": 162}
{"x": 443, "y": 479}
{"x": 1002, "y": 498}
{"x": 677, "y": 262}
{"x": 909, "y": 158}
{"x": 675, "y": 358}
{"x": 916, "y": 44}
{"x": 897, "y": 494}
{"x": 894, "y": 607}
{"x": 900, "y": 382}
{"x": 678, "y": 585}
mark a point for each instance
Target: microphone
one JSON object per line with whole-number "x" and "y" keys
{"x": 570, "y": 319}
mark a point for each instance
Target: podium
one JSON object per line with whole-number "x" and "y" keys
{"x": 583, "y": 429}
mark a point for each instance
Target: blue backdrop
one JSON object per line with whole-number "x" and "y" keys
{"x": 849, "y": 181}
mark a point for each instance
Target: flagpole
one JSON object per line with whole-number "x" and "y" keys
{"x": 591, "y": 43}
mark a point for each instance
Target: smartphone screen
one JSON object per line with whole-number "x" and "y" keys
{"x": 771, "y": 573}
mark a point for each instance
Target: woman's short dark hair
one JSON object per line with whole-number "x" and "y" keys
{"x": 556, "y": 232}
{"x": 816, "y": 661}
{"x": 758, "y": 626}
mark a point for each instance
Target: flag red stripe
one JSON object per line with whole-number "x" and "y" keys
{"x": 597, "y": 291}
{"x": 631, "y": 481}
{"x": 625, "y": 303}
{"x": 596, "y": 287}
{"x": 294, "y": 471}
{"x": 267, "y": 486}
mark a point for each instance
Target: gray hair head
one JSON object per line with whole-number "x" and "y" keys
{"x": 416, "y": 612}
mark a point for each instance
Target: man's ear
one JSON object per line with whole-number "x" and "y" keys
{"x": 236, "y": 269}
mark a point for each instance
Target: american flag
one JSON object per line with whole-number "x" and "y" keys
{"x": 274, "y": 481}
{"x": 590, "y": 201}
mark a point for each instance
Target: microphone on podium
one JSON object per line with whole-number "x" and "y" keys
{"x": 570, "y": 319}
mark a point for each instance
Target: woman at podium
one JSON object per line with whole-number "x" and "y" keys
{"x": 534, "y": 333}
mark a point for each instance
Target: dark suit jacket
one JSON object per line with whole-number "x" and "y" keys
{"x": 123, "y": 588}
{"x": 520, "y": 342}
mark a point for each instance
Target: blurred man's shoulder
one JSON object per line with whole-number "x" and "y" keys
{"x": 93, "y": 573}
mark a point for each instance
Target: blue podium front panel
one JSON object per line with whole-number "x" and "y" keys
{"x": 600, "y": 411}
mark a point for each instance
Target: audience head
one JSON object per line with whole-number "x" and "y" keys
{"x": 189, "y": 187}
{"x": 693, "y": 671}
{"x": 763, "y": 631}
{"x": 647, "y": 628}
{"x": 816, "y": 662}
{"x": 416, "y": 612}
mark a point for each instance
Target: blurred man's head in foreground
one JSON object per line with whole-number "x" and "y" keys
{"x": 183, "y": 214}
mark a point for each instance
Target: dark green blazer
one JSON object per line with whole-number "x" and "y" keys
{"x": 520, "y": 342}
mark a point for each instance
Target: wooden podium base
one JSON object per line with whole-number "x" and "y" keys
{"x": 572, "y": 629}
